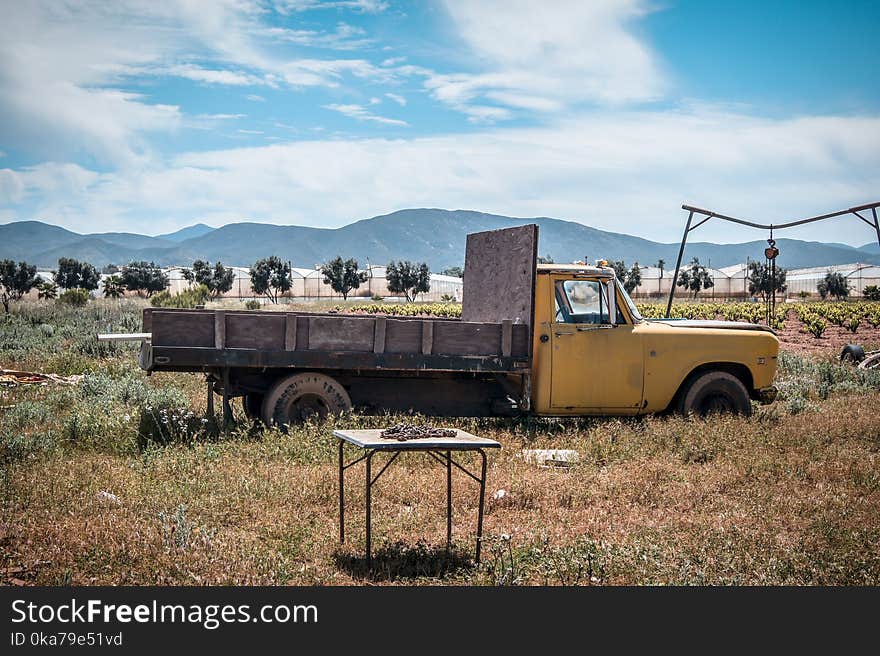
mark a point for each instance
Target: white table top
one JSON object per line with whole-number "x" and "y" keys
{"x": 372, "y": 439}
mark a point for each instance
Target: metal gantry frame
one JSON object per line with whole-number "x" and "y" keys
{"x": 708, "y": 214}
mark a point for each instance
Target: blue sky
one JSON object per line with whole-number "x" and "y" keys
{"x": 149, "y": 116}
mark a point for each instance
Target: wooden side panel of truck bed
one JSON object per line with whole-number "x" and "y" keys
{"x": 188, "y": 340}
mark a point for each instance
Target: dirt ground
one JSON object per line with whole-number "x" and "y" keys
{"x": 794, "y": 340}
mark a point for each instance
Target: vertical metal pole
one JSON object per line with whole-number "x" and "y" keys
{"x": 772, "y": 293}
{"x": 876, "y": 224}
{"x": 448, "y": 499}
{"x": 368, "y": 504}
{"x": 227, "y": 409}
{"x": 341, "y": 493}
{"x": 687, "y": 229}
{"x": 480, "y": 511}
{"x": 210, "y": 402}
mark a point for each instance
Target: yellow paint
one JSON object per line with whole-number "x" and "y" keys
{"x": 632, "y": 367}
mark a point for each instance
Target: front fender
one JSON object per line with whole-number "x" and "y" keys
{"x": 672, "y": 353}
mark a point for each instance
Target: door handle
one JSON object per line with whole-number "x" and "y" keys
{"x": 563, "y": 334}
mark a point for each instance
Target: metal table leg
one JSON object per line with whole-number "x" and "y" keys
{"x": 369, "y": 486}
{"x": 448, "y": 500}
{"x": 444, "y": 458}
{"x": 341, "y": 493}
{"x": 482, "y": 498}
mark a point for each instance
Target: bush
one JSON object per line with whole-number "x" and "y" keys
{"x": 407, "y": 310}
{"x": 872, "y": 293}
{"x": 188, "y": 298}
{"x": 815, "y": 326}
{"x": 166, "y": 418}
{"x": 157, "y": 416}
{"x": 253, "y": 305}
{"x": 74, "y": 297}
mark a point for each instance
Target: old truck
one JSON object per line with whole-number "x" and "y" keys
{"x": 548, "y": 339}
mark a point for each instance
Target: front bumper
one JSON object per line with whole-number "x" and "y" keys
{"x": 766, "y": 395}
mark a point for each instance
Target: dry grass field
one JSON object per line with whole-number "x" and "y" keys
{"x": 788, "y": 496}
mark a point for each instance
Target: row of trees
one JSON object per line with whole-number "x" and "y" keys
{"x": 762, "y": 280}
{"x": 407, "y": 278}
{"x": 272, "y": 277}
{"x": 17, "y": 279}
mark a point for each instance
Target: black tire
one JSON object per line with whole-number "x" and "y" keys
{"x": 715, "y": 392}
{"x": 253, "y": 405}
{"x": 852, "y": 353}
{"x": 298, "y": 398}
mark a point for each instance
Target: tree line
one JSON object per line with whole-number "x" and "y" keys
{"x": 272, "y": 277}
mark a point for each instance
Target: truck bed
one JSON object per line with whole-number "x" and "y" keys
{"x": 204, "y": 340}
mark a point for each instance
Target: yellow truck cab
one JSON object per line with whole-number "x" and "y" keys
{"x": 593, "y": 353}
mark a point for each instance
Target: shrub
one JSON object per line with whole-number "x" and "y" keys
{"x": 815, "y": 326}
{"x": 253, "y": 305}
{"x": 166, "y": 417}
{"x": 188, "y": 298}
{"x": 408, "y": 310}
{"x": 872, "y": 293}
{"x": 74, "y": 297}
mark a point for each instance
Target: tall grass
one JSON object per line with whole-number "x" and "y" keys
{"x": 62, "y": 338}
{"x": 788, "y": 496}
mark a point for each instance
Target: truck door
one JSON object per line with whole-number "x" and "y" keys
{"x": 597, "y": 361}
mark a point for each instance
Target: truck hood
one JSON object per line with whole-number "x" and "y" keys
{"x": 725, "y": 325}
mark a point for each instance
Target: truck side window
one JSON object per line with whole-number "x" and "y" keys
{"x": 581, "y": 301}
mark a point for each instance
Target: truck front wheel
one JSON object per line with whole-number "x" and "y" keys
{"x": 715, "y": 392}
{"x": 301, "y": 397}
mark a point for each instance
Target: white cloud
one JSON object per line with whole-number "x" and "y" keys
{"x": 11, "y": 187}
{"x": 344, "y": 37}
{"x": 360, "y": 113}
{"x": 220, "y": 117}
{"x": 400, "y": 100}
{"x": 626, "y": 171}
{"x": 255, "y": 98}
{"x": 249, "y": 131}
{"x": 63, "y": 67}
{"x": 329, "y": 72}
{"x": 57, "y": 63}
{"x": 547, "y": 57}
{"x": 199, "y": 74}
{"x": 364, "y": 6}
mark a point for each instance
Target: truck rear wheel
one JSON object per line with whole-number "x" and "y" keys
{"x": 301, "y": 397}
{"x": 715, "y": 392}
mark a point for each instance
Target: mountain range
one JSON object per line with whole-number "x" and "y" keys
{"x": 425, "y": 235}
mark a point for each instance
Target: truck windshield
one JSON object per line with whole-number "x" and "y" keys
{"x": 633, "y": 310}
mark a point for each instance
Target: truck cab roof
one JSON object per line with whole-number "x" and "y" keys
{"x": 583, "y": 269}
